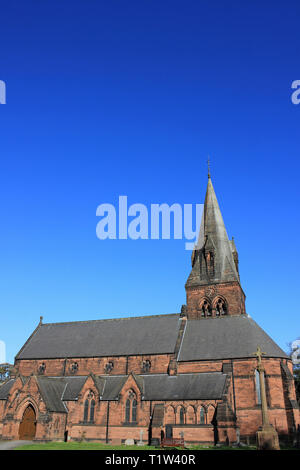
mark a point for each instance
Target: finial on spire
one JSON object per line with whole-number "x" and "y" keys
{"x": 41, "y": 320}
{"x": 208, "y": 166}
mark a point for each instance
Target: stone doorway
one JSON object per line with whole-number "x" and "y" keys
{"x": 28, "y": 424}
{"x": 169, "y": 431}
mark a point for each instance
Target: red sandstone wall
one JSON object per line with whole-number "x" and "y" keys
{"x": 50, "y": 426}
{"x": 241, "y": 395}
{"x": 122, "y": 365}
{"x": 231, "y": 291}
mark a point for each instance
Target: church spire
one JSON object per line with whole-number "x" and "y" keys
{"x": 214, "y": 244}
{"x": 215, "y": 258}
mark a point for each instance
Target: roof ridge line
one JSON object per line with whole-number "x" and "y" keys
{"x": 111, "y": 319}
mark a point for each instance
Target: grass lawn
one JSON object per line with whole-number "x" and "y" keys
{"x": 99, "y": 446}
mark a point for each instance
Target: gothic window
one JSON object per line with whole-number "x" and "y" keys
{"x": 127, "y": 411}
{"x": 146, "y": 366}
{"x": 257, "y": 387}
{"x": 86, "y": 411}
{"x": 42, "y": 368}
{"x": 181, "y": 415}
{"x": 202, "y": 415}
{"x": 89, "y": 408}
{"x": 92, "y": 411}
{"x": 221, "y": 308}
{"x": 131, "y": 408}
{"x": 109, "y": 367}
{"x": 134, "y": 405}
{"x": 205, "y": 309}
{"x": 74, "y": 367}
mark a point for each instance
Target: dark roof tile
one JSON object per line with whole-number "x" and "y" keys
{"x": 203, "y": 386}
{"x": 52, "y": 390}
{"x": 5, "y": 388}
{"x": 116, "y": 337}
{"x": 225, "y": 338}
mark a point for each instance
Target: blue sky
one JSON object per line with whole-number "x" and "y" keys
{"x": 109, "y": 98}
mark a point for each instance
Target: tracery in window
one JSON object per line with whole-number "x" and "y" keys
{"x": 202, "y": 415}
{"x": 109, "y": 367}
{"x": 74, "y": 367}
{"x": 146, "y": 366}
{"x": 42, "y": 368}
{"x": 89, "y": 408}
{"x": 92, "y": 411}
{"x": 86, "y": 410}
{"x": 131, "y": 408}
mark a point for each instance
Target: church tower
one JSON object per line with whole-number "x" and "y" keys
{"x": 213, "y": 287}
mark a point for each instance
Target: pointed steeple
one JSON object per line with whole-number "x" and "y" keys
{"x": 215, "y": 258}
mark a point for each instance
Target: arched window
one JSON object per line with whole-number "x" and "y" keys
{"x": 202, "y": 415}
{"x": 134, "y": 405}
{"x": 92, "y": 411}
{"x": 89, "y": 408}
{"x": 257, "y": 386}
{"x": 131, "y": 408}
{"x": 109, "y": 367}
{"x": 210, "y": 412}
{"x": 221, "y": 308}
{"x": 86, "y": 411}
{"x": 127, "y": 411}
{"x": 74, "y": 367}
{"x": 181, "y": 416}
{"x": 42, "y": 368}
{"x": 146, "y": 366}
{"x": 205, "y": 308}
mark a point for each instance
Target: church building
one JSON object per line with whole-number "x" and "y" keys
{"x": 190, "y": 375}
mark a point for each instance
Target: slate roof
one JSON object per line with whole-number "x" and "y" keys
{"x": 115, "y": 337}
{"x": 52, "y": 391}
{"x": 201, "y": 386}
{"x": 73, "y": 385}
{"x": 57, "y": 390}
{"x": 227, "y": 337}
{"x": 111, "y": 386}
{"x": 166, "y": 387}
{"x": 5, "y": 389}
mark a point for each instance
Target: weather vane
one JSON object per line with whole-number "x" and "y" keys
{"x": 208, "y": 166}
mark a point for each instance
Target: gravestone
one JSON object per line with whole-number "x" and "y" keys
{"x": 129, "y": 442}
{"x": 140, "y": 443}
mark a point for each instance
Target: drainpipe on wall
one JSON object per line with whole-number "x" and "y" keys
{"x": 233, "y": 388}
{"x": 64, "y": 368}
{"x": 107, "y": 420}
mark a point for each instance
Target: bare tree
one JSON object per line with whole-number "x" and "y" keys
{"x": 5, "y": 371}
{"x": 294, "y": 353}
